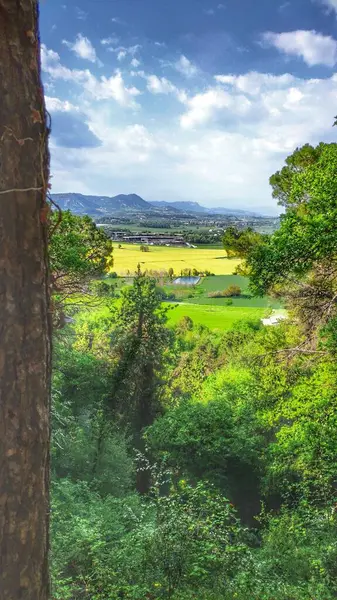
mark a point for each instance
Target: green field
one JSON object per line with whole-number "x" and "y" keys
{"x": 199, "y": 293}
{"x": 214, "y": 317}
{"x": 215, "y": 313}
{"x": 161, "y": 258}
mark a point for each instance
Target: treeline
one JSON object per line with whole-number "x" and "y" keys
{"x": 190, "y": 463}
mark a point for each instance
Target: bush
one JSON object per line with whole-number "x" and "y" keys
{"x": 165, "y": 548}
{"x": 102, "y": 289}
{"x": 233, "y": 291}
{"x": 185, "y": 324}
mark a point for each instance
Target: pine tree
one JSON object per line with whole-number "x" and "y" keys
{"x": 140, "y": 340}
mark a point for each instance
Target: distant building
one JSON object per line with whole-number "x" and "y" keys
{"x": 148, "y": 239}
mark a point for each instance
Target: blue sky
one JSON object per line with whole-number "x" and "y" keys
{"x": 186, "y": 100}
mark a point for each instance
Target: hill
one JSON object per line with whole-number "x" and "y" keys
{"x": 81, "y": 204}
{"x": 195, "y": 207}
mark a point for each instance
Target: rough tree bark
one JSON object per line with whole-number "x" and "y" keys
{"x": 24, "y": 312}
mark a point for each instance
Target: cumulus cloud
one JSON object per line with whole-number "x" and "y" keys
{"x": 219, "y": 146}
{"x": 57, "y": 105}
{"x": 202, "y": 107}
{"x": 135, "y": 63}
{"x": 102, "y": 88}
{"x": 253, "y": 83}
{"x": 185, "y": 67}
{"x": 83, "y": 48}
{"x": 159, "y": 85}
{"x": 313, "y": 47}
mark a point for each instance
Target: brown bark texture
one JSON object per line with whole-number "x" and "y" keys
{"x": 24, "y": 309}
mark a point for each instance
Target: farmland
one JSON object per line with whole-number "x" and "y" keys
{"x": 160, "y": 258}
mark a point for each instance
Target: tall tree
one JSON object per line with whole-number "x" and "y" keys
{"x": 299, "y": 261}
{"x": 24, "y": 312}
{"x": 79, "y": 251}
{"x": 139, "y": 342}
{"x": 240, "y": 242}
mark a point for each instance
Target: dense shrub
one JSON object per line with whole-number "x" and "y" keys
{"x": 233, "y": 291}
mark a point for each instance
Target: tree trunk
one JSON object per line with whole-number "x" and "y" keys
{"x": 24, "y": 309}
{"x": 144, "y": 418}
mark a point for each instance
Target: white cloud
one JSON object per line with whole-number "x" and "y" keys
{"x": 121, "y": 55}
{"x": 253, "y": 83}
{"x": 123, "y": 52}
{"x": 57, "y": 105}
{"x": 219, "y": 146}
{"x": 330, "y": 4}
{"x": 135, "y": 63}
{"x": 109, "y": 41}
{"x": 202, "y": 107}
{"x": 83, "y": 48}
{"x": 102, "y": 88}
{"x": 160, "y": 85}
{"x": 314, "y": 48}
{"x": 185, "y": 67}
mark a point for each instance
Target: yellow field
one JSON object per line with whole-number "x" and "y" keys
{"x": 161, "y": 258}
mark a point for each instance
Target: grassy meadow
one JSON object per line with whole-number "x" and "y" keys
{"x": 161, "y": 258}
{"x": 199, "y": 294}
{"x": 214, "y": 317}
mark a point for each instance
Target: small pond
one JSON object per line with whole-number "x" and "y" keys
{"x": 186, "y": 280}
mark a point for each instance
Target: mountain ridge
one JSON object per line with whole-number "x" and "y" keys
{"x": 86, "y": 204}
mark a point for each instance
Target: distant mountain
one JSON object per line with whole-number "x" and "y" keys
{"x": 195, "y": 207}
{"x": 96, "y": 206}
{"x": 183, "y": 206}
{"x": 81, "y": 204}
{"x": 235, "y": 212}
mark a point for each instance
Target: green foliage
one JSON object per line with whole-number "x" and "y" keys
{"x": 78, "y": 251}
{"x": 165, "y": 548}
{"x": 296, "y": 559}
{"x": 282, "y": 181}
{"x": 239, "y": 243}
{"x": 299, "y": 260}
{"x": 308, "y": 229}
{"x": 242, "y": 418}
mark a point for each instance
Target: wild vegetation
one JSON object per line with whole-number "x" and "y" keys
{"x": 194, "y": 462}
